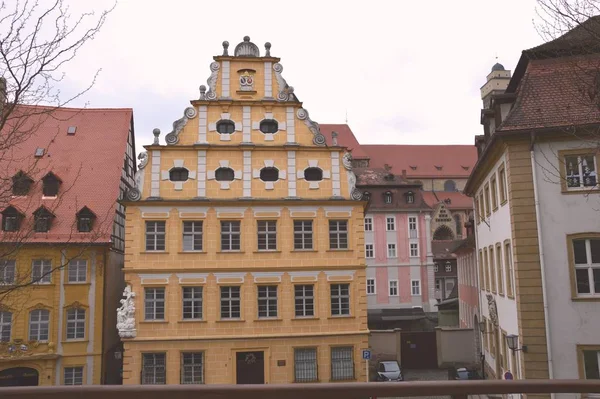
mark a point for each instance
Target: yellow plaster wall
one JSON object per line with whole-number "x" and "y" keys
{"x": 47, "y": 296}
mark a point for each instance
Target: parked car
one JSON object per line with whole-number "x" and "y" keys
{"x": 389, "y": 371}
{"x": 466, "y": 374}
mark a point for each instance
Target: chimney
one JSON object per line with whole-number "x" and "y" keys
{"x": 404, "y": 174}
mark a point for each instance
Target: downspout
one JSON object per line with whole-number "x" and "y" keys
{"x": 542, "y": 263}
{"x": 477, "y": 268}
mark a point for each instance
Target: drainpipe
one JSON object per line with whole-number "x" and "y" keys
{"x": 542, "y": 263}
{"x": 477, "y": 267}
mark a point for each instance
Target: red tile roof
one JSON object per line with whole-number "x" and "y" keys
{"x": 89, "y": 163}
{"x": 457, "y": 199}
{"x": 345, "y": 138}
{"x": 422, "y": 161}
{"x": 553, "y": 93}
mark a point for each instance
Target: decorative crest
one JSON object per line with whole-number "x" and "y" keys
{"x": 247, "y": 49}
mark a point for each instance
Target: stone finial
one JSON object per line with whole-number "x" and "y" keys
{"x": 334, "y": 136}
{"x": 202, "y": 92}
{"x": 246, "y": 38}
{"x": 387, "y": 167}
{"x": 225, "y": 47}
{"x": 156, "y": 133}
{"x": 268, "y": 49}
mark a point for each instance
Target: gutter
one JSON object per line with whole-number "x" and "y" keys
{"x": 542, "y": 262}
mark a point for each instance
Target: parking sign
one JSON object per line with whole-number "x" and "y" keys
{"x": 366, "y": 354}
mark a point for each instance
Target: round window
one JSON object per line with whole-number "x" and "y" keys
{"x": 313, "y": 174}
{"x": 178, "y": 174}
{"x": 269, "y": 126}
{"x": 269, "y": 174}
{"x": 225, "y": 126}
{"x": 224, "y": 174}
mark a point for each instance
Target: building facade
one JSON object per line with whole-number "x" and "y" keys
{"x": 245, "y": 244}
{"x": 397, "y": 250}
{"x": 536, "y": 228}
{"x": 62, "y": 242}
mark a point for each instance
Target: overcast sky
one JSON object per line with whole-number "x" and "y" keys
{"x": 405, "y": 72}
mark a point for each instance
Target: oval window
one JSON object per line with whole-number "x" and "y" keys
{"x": 269, "y": 126}
{"x": 313, "y": 174}
{"x": 224, "y": 174}
{"x": 225, "y": 126}
{"x": 269, "y": 174}
{"x": 178, "y": 174}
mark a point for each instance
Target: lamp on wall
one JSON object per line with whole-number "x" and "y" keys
{"x": 512, "y": 341}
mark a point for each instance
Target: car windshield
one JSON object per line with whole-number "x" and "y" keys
{"x": 391, "y": 367}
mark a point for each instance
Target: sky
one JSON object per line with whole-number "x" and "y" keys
{"x": 404, "y": 72}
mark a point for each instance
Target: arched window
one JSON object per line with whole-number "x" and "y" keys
{"x": 458, "y": 223}
{"x": 269, "y": 174}
{"x": 269, "y": 126}
{"x": 449, "y": 185}
{"x": 313, "y": 174}
{"x": 224, "y": 174}
{"x": 225, "y": 126}
{"x": 410, "y": 197}
{"x": 387, "y": 196}
{"x": 178, "y": 174}
{"x": 443, "y": 233}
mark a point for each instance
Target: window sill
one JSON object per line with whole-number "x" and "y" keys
{"x": 305, "y": 318}
{"x": 154, "y": 322}
{"x": 267, "y": 251}
{"x": 185, "y": 321}
{"x": 581, "y": 190}
{"x": 586, "y": 298}
{"x": 346, "y": 316}
{"x": 340, "y": 250}
{"x": 495, "y": 209}
{"x": 230, "y": 252}
{"x": 42, "y": 284}
{"x": 304, "y": 250}
{"x": 269, "y": 319}
{"x": 510, "y": 297}
{"x": 230, "y": 321}
{"x": 77, "y": 283}
{"x": 503, "y": 202}
{"x": 74, "y": 341}
{"x": 191, "y": 252}
{"x": 155, "y": 252}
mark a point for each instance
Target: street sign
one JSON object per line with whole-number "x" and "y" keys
{"x": 508, "y": 375}
{"x": 366, "y": 354}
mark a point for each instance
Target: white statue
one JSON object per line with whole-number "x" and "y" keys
{"x": 126, "y": 315}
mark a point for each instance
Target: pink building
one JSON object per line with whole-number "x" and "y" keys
{"x": 400, "y": 274}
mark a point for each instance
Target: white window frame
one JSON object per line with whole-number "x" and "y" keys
{"x": 373, "y": 286}
{"x": 73, "y": 375}
{"x": 305, "y": 365}
{"x": 77, "y": 271}
{"x": 580, "y": 161}
{"x": 266, "y": 231}
{"x": 304, "y": 301}
{"x": 156, "y": 236}
{"x": 413, "y": 222}
{"x": 415, "y": 246}
{"x": 415, "y": 289}
{"x": 8, "y": 271}
{"x": 390, "y": 223}
{"x": 192, "y": 372}
{"x": 436, "y": 268}
{"x": 338, "y": 234}
{"x": 41, "y": 271}
{"x": 154, "y": 302}
{"x": 340, "y": 302}
{"x": 393, "y": 288}
{"x": 192, "y": 304}
{"x": 266, "y": 297}
{"x": 192, "y": 235}
{"x": 368, "y": 223}
{"x": 303, "y": 235}
{"x": 230, "y": 230}
{"x": 371, "y": 250}
{"x": 448, "y": 267}
{"x": 392, "y": 250}
{"x": 40, "y": 324}
{"x": 234, "y": 297}
{"x": 154, "y": 368}
{"x": 589, "y": 266}
{"x": 5, "y": 326}
{"x": 75, "y": 324}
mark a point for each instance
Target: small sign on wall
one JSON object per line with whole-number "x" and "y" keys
{"x": 280, "y": 363}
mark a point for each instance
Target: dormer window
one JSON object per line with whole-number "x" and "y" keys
{"x": 21, "y": 184}
{"x": 42, "y": 221}
{"x": 387, "y": 196}
{"x": 269, "y": 126}
{"x": 225, "y": 126}
{"x": 410, "y": 197}
{"x": 11, "y": 219}
{"x": 85, "y": 220}
{"x": 51, "y": 183}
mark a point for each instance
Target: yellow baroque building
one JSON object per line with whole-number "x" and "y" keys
{"x": 62, "y": 246}
{"x": 244, "y": 241}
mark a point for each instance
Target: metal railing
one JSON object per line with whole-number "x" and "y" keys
{"x": 456, "y": 389}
